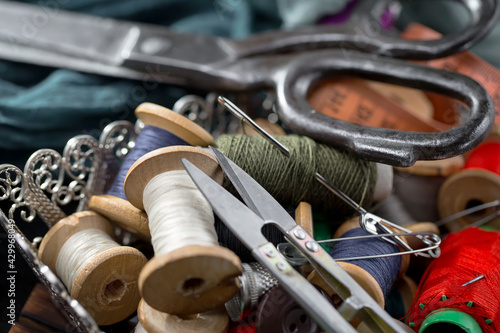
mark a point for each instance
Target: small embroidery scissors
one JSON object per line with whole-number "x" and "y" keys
{"x": 276, "y": 60}
{"x": 246, "y": 221}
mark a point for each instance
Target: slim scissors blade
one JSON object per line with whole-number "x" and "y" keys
{"x": 254, "y": 195}
{"x": 236, "y": 216}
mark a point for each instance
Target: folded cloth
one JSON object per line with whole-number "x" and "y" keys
{"x": 44, "y": 107}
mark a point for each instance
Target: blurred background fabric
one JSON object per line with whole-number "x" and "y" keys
{"x": 44, "y": 107}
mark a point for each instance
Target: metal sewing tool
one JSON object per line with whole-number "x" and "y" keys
{"x": 246, "y": 221}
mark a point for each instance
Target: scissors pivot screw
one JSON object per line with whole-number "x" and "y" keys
{"x": 300, "y": 234}
{"x": 312, "y": 246}
{"x": 281, "y": 266}
{"x": 269, "y": 252}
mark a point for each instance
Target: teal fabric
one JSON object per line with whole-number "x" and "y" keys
{"x": 42, "y": 107}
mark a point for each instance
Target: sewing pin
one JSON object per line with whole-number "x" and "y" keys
{"x": 473, "y": 280}
{"x": 244, "y": 117}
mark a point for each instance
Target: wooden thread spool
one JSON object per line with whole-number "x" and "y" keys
{"x": 154, "y": 321}
{"x": 365, "y": 280}
{"x": 121, "y": 211}
{"x": 106, "y": 283}
{"x": 466, "y": 189}
{"x": 193, "y": 278}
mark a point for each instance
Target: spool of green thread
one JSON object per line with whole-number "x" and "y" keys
{"x": 292, "y": 179}
{"x": 449, "y": 320}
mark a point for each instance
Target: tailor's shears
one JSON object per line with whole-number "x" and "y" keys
{"x": 246, "y": 222}
{"x": 272, "y": 61}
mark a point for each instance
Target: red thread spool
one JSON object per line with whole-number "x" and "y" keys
{"x": 465, "y": 255}
{"x": 486, "y": 156}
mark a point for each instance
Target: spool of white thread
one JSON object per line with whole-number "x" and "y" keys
{"x": 154, "y": 321}
{"x": 190, "y": 273}
{"x": 98, "y": 272}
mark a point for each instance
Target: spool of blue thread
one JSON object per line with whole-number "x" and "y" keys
{"x": 163, "y": 128}
{"x": 376, "y": 276}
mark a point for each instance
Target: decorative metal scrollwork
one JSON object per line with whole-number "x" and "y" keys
{"x": 116, "y": 141}
{"x": 13, "y": 188}
{"x": 47, "y": 171}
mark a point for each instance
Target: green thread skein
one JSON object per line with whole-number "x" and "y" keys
{"x": 292, "y": 179}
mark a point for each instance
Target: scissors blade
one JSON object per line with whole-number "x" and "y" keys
{"x": 242, "y": 222}
{"x": 245, "y": 224}
{"x": 105, "y": 46}
{"x": 254, "y": 195}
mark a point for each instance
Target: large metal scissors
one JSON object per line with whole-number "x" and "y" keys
{"x": 246, "y": 222}
{"x": 276, "y": 60}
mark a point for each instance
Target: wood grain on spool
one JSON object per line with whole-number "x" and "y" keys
{"x": 191, "y": 279}
{"x": 107, "y": 286}
{"x": 154, "y": 321}
{"x": 466, "y": 189}
{"x": 121, "y": 211}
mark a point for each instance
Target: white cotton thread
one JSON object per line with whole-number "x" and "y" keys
{"x": 178, "y": 213}
{"x": 80, "y": 249}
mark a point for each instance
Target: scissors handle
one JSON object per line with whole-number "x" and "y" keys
{"x": 363, "y": 32}
{"x": 394, "y": 147}
{"x": 320, "y": 310}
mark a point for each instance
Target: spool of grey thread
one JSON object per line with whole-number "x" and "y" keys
{"x": 255, "y": 282}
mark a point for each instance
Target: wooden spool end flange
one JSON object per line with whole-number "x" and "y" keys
{"x": 107, "y": 286}
{"x": 192, "y": 279}
{"x": 154, "y": 321}
{"x": 123, "y": 213}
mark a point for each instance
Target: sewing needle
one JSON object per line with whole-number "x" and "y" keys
{"x": 228, "y": 105}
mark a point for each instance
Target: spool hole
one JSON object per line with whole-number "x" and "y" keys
{"x": 292, "y": 328}
{"x": 443, "y": 327}
{"x": 303, "y": 318}
{"x": 193, "y": 286}
{"x": 476, "y": 215}
{"x": 114, "y": 291}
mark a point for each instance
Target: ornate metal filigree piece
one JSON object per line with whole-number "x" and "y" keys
{"x": 13, "y": 188}
{"x": 47, "y": 173}
{"x": 70, "y": 308}
{"x": 116, "y": 141}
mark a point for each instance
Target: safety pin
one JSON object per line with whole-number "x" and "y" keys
{"x": 493, "y": 204}
{"x": 371, "y": 223}
{"x": 294, "y": 257}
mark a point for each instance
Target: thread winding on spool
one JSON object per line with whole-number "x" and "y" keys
{"x": 98, "y": 272}
{"x": 190, "y": 275}
{"x": 153, "y": 321}
{"x": 376, "y": 276}
{"x": 292, "y": 179}
{"x": 465, "y": 256}
{"x": 163, "y": 128}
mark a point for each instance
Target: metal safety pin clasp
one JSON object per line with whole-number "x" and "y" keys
{"x": 378, "y": 226}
